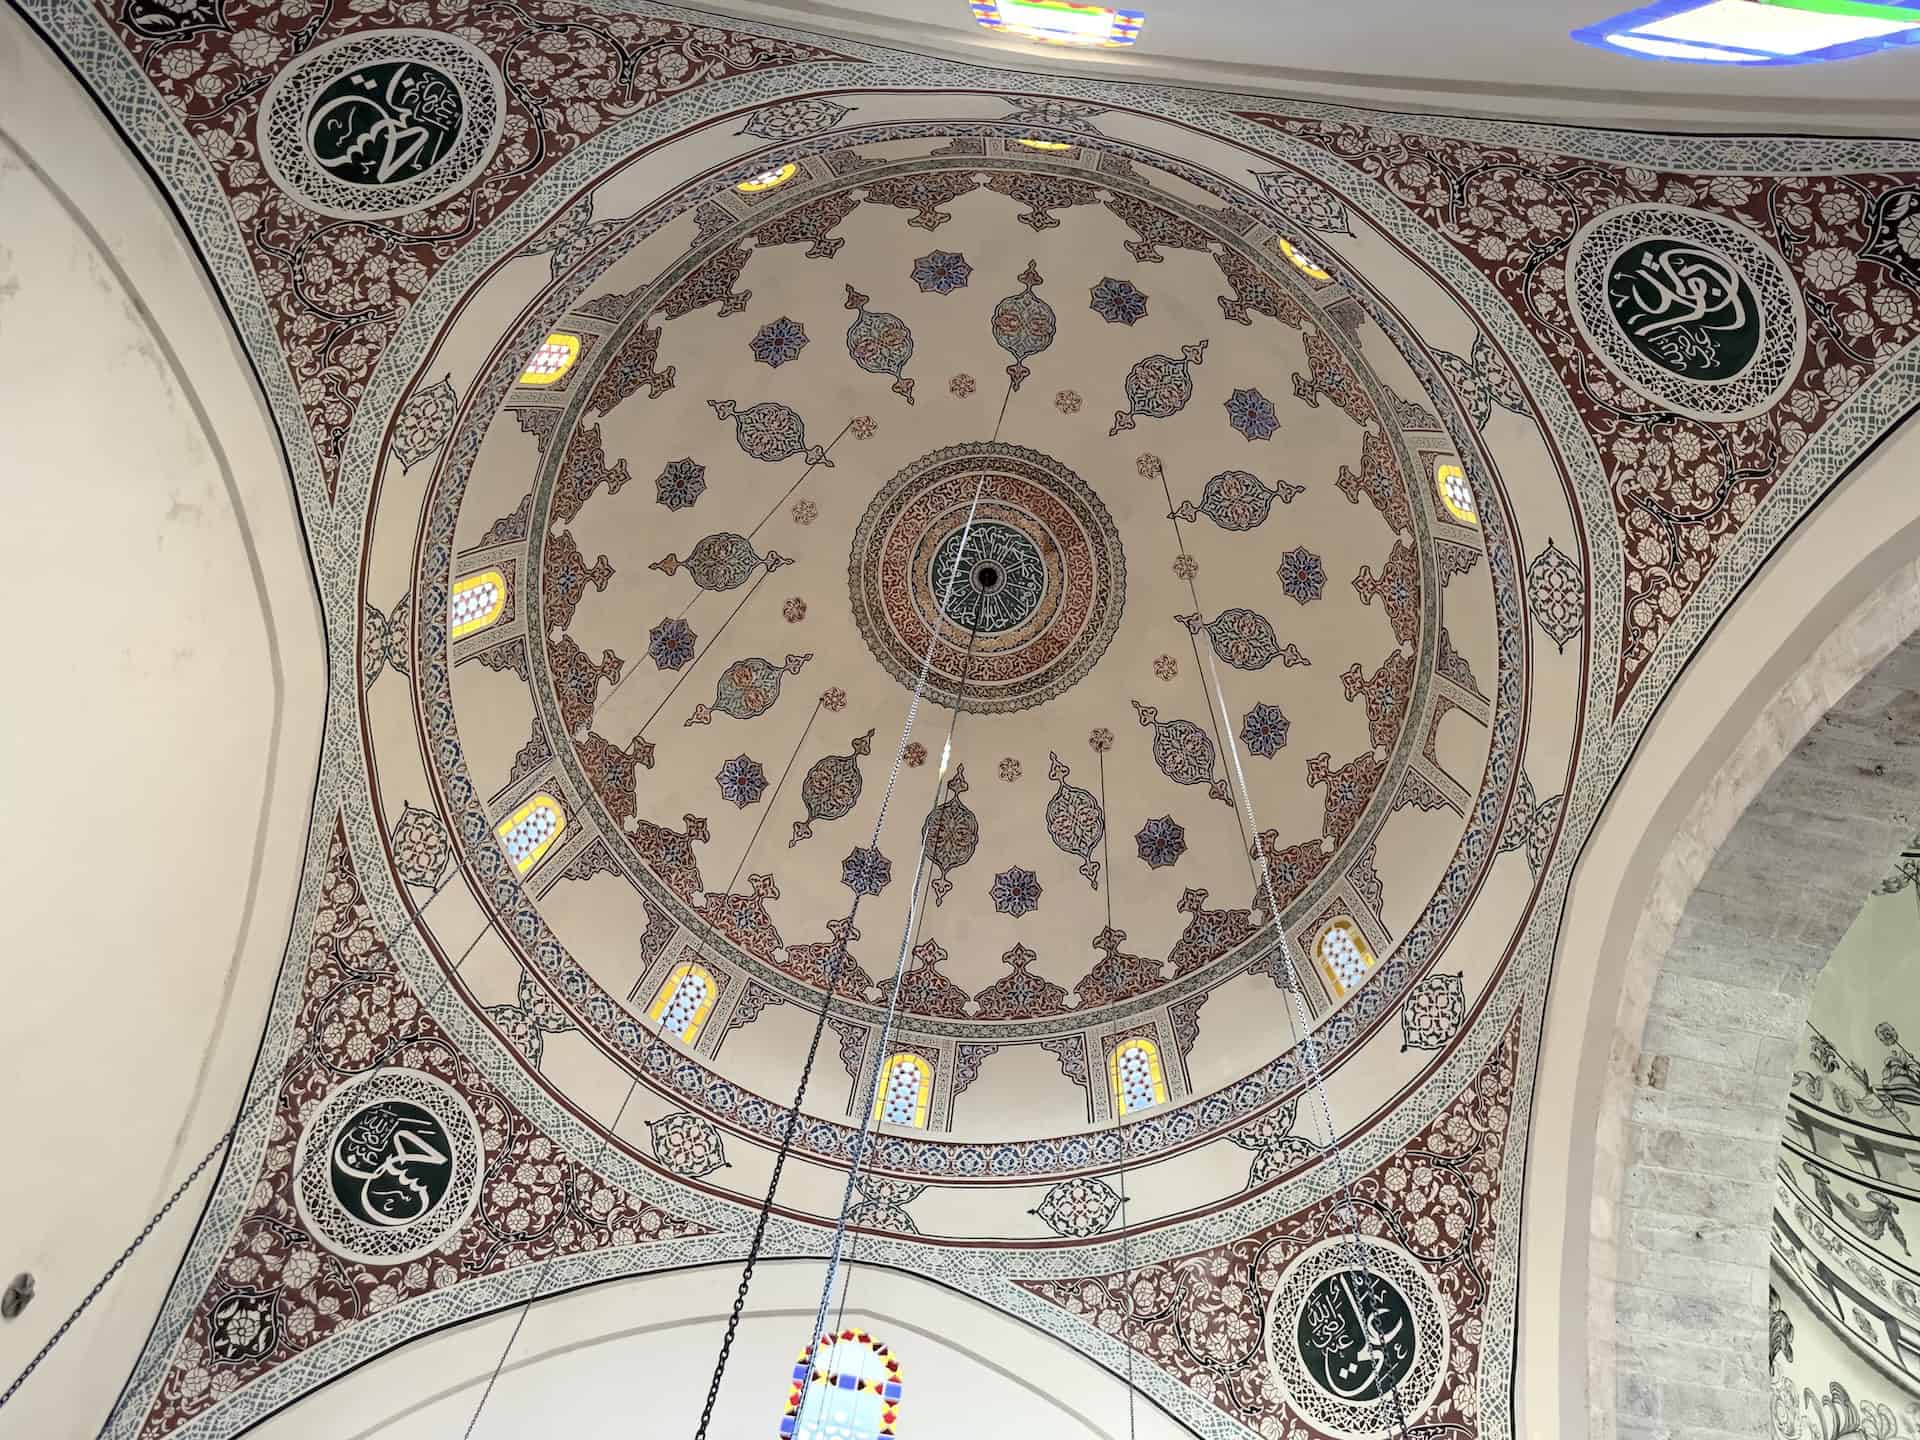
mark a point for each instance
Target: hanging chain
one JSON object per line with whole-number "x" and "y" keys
{"x": 820, "y": 1020}
{"x": 125, "y": 1255}
{"x": 153, "y": 1223}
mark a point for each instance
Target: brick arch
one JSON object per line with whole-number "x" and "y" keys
{"x": 1765, "y": 875}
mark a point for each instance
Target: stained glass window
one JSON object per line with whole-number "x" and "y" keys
{"x": 1060, "y": 22}
{"x": 1135, "y": 1075}
{"x": 1450, "y": 480}
{"x": 906, "y": 1088}
{"x": 1304, "y": 263}
{"x": 530, "y": 831}
{"x": 772, "y": 178}
{"x": 845, "y": 1387}
{"x": 1756, "y": 33}
{"x": 477, "y": 603}
{"x": 683, "y": 1002}
{"x": 552, "y": 360}
{"x": 1343, "y": 954}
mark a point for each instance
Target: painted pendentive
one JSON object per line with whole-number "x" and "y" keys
{"x": 1511, "y": 503}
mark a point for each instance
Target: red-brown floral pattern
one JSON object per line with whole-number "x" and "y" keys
{"x": 537, "y": 1199}
{"x": 1202, "y": 1316}
{"x": 1682, "y": 489}
{"x": 338, "y": 288}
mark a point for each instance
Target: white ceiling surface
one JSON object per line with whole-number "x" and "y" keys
{"x": 1505, "y": 57}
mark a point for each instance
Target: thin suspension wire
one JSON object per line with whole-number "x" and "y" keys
{"x": 853, "y": 1252}
{"x": 1301, "y": 1024}
{"x": 870, "y": 1090}
{"x": 869, "y": 1094}
{"x": 225, "y": 1139}
{"x": 833, "y": 978}
{"x": 540, "y": 1279}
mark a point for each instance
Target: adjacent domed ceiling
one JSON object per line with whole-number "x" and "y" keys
{"x": 1260, "y": 490}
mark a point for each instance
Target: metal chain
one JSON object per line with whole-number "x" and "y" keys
{"x": 125, "y": 1255}
{"x": 766, "y": 1205}
{"x": 153, "y": 1222}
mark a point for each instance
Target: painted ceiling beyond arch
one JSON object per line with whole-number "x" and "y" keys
{"x": 1353, "y": 486}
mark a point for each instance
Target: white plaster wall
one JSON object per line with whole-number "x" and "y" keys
{"x": 634, "y": 1358}
{"x": 164, "y": 691}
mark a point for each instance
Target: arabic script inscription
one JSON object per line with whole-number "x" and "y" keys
{"x": 1685, "y": 307}
{"x": 386, "y": 122}
{"x": 1356, "y": 1335}
{"x": 392, "y": 1163}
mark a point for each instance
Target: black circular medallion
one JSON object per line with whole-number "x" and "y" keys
{"x": 392, "y": 1163}
{"x": 1356, "y": 1335}
{"x": 385, "y": 123}
{"x": 1003, "y": 581}
{"x": 1686, "y": 307}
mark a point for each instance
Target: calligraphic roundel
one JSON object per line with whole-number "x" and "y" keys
{"x": 1357, "y": 1336}
{"x": 1698, "y": 313}
{"x": 388, "y": 1167}
{"x": 382, "y": 123}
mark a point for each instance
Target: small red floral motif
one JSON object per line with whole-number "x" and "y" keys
{"x": 795, "y": 610}
{"x": 1185, "y": 566}
{"x": 1148, "y": 465}
{"x": 805, "y": 512}
{"x": 1067, "y": 402}
{"x": 961, "y": 386}
{"x": 864, "y": 427}
{"x": 1009, "y": 769}
{"x": 915, "y": 755}
{"x": 1166, "y": 667}
{"x": 835, "y": 699}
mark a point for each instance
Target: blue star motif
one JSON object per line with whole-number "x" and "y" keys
{"x": 779, "y": 341}
{"x": 1117, "y": 302}
{"x": 742, "y": 781}
{"x": 680, "y": 484}
{"x": 1016, "y": 892}
{"x": 866, "y": 871}
{"x": 1264, "y": 730}
{"x": 671, "y": 644}
{"x": 941, "y": 273}
{"x": 1252, "y": 414}
{"x": 1161, "y": 842}
{"x": 1302, "y": 575}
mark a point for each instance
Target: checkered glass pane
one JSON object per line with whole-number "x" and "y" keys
{"x": 1136, "y": 1078}
{"x": 688, "y": 996}
{"x": 1344, "y": 957}
{"x": 525, "y": 838}
{"x": 902, "y": 1104}
{"x": 848, "y": 1404}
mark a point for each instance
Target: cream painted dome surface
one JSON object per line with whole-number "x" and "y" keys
{"x": 723, "y": 593}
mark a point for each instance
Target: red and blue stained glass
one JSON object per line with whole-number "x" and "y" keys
{"x": 845, "y": 1387}
{"x": 1060, "y": 22}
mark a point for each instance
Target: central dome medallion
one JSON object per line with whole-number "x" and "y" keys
{"x": 1029, "y": 608}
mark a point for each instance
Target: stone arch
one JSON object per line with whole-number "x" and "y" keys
{"x": 1762, "y": 879}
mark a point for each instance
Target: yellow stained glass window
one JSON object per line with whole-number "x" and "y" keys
{"x": 530, "y": 831}
{"x": 1450, "y": 480}
{"x": 682, "y": 1004}
{"x": 1135, "y": 1075}
{"x": 1343, "y": 955}
{"x": 906, "y": 1090}
{"x": 552, "y": 360}
{"x": 477, "y": 602}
